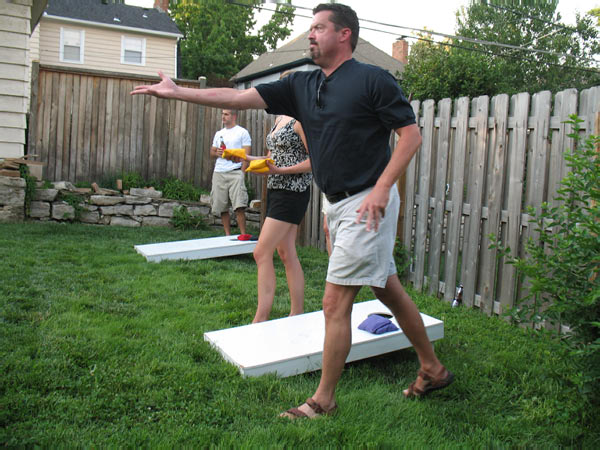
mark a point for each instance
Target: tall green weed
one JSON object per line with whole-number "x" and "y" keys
{"x": 176, "y": 189}
{"x": 184, "y": 220}
{"x": 561, "y": 269}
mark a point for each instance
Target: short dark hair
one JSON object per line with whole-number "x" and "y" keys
{"x": 342, "y": 17}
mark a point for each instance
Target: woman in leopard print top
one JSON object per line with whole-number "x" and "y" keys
{"x": 287, "y": 149}
{"x": 288, "y": 194}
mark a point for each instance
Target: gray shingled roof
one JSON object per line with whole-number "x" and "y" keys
{"x": 129, "y": 16}
{"x": 295, "y": 53}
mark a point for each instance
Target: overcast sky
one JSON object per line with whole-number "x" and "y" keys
{"x": 434, "y": 15}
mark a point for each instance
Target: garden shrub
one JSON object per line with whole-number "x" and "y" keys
{"x": 183, "y": 220}
{"x": 562, "y": 268}
{"x": 74, "y": 200}
{"x": 402, "y": 259}
{"x": 175, "y": 189}
{"x": 132, "y": 180}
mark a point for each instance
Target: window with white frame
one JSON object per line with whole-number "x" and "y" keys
{"x": 133, "y": 51}
{"x": 71, "y": 45}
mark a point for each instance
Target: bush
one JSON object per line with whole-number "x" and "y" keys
{"x": 402, "y": 259}
{"x": 174, "y": 188}
{"x": 183, "y": 220}
{"x": 562, "y": 268}
{"x": 74, "y": 200}
{"x": 171, "y": 187}
{"x": 132, "y": 180}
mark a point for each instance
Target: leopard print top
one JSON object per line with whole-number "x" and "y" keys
{"x": 287, "y": 149}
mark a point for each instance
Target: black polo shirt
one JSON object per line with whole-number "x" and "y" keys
{"x": 347, "y": 118}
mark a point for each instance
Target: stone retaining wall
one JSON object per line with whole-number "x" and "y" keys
{"x": 138, "y": 207}
{"x": 12, "y": 199}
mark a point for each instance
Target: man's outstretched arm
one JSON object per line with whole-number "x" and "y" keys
{"x": 216, "y": 97}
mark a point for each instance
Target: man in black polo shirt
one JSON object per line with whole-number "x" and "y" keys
{"x": 347, "y": 110}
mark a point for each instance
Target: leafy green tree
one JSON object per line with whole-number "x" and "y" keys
{"x": 217, "y": 39}
{"x": 538, "y": 53}
{"x": 437, "y": 70}
{"x": 596, "y": 13}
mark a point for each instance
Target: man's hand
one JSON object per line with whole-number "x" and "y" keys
{"x": 165, "y": 89}
{"x": 374, "y": 207}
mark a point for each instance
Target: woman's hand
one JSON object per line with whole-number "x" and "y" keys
{"x": 273, "y": 169}
{"x": 233, "y": 158}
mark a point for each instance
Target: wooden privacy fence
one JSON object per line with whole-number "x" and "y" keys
{"x": 482, "y": 162}
{"x": 85, "y": 126}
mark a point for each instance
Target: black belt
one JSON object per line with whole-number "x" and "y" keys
{"x": 334, "y": 198}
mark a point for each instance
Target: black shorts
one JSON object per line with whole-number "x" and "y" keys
{"x": 287, "y": 206}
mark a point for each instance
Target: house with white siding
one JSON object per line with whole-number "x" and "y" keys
{"x": 86, "y": 34}
{"x": 17, "y": 19}
{"x": 107, "y": 36}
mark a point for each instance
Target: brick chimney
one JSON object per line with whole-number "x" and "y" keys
{"x": 400, "y": 50}
{"x": 161, "y": 5}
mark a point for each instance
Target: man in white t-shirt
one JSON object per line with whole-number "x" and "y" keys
{"x": 228, "y": 177}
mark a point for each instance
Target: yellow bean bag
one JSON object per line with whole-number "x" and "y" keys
{"x": 259, "y": 165}
{"x": 239, "y": 152}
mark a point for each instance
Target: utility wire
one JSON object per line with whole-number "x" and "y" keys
{"x": 520, "y": 14}
{"x": 448, "y": 36}
{"x": 509, "y": 56}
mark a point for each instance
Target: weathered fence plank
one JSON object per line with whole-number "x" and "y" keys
{"x": 453, "y": 238}
{"x": 83, "y": 172}
{"x": 495, "y": 177}
{"x": 61, "y": 154}
{"x": 439, "y": 209}
{"x": 409, "y": 199}
{"x": 94, "y": 129}
{"x": 53, "y": 151}
{"x": 127, "y": 99}
{"x": 565, "y": 105}
{"x": 425, "y": 161}
{"x": 517, "y": 155}
{"x": 475, "y": 196}
{"x": 200, "y": 149}
{"x": 108, "y": 121}
{"x": 102, "y": 97}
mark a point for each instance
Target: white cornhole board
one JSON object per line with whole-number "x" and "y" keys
{"x": 294, "y": 345}
{"x": 196, "y": 248}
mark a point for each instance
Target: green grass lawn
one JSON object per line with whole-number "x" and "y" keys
{"x": 101, "y": 348}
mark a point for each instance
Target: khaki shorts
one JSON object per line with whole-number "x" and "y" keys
{"x": 228, "y": 186}
{"x": 360, "y": 257}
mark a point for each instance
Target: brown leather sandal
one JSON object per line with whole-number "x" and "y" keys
{"x": 431, "y": 384}
{"x": 314, "y": 410}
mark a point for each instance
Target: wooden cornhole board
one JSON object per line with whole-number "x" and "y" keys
{"x": 294, "y": 345}
{"x": 196, "y": 248}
